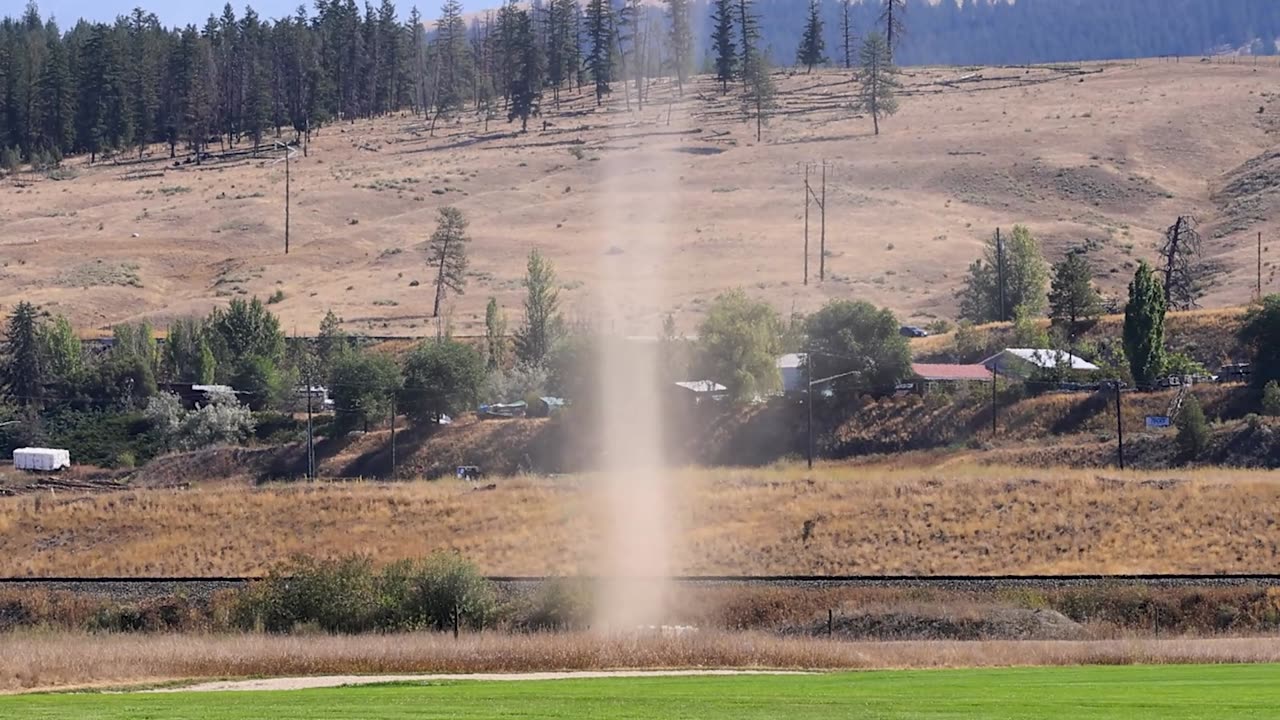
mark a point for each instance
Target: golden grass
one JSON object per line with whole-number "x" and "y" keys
{"x": 961, "y": 519}
{"x": 50, "y": 660}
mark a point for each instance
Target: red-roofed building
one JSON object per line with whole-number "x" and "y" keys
{"x": 932, "y": 375}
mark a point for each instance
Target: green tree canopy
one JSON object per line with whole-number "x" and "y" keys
{"x": 244, "y": 330}
{"x": 188, "y": 356}
{"x": 739, "y": 341}
{"x": 1261, "y": 334}
{"x": 1073, "y": 301}
{"x": 543, "y": 325}
{"x": 361, "y": 385}
{"x": 877, "y": 80}
{"x": 441, "y": 378}
{"x": 856, "y": 336}
{"x": 24, "y": 366}
{"x": 1025, "y": 276}
{"x": 1144, "y": 327}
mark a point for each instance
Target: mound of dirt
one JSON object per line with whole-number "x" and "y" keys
{"x": 931, "y": 624}
{"x": 1249, "y": 194}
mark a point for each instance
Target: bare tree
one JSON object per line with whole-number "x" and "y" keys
{"x": 894, "y": 27}
{"x": 846, "y": 32}
{"x": 1184, "y": 271}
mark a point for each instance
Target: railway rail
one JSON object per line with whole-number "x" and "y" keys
{"x": 144, "y": 587}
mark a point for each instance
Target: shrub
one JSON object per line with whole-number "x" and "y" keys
{"x": 557, "y": 605}
{"x": 9, "y": 160}
{"x": 276, "y": 297}
{"x": 448, "y": 591}
{"x": 1180, "y": 364}
{"x": 1193, "y": 430}
{"x": 1271, "y": 399}
{"x": 940, "y": 326}
{"x": 223, "y": 420}
{"x": 338, "y": 596}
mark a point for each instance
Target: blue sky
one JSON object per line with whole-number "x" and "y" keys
{"x": 182, "y": 12}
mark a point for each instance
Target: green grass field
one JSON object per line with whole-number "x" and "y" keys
{"x": 1123, "y": 693}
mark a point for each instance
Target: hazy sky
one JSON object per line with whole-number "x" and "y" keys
{"x": 182, "y": 12}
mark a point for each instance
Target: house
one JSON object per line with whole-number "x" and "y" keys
{"x": 933, "y": 376}
{"x": 1026, "y": 363}
{"x": 792, "y": 368}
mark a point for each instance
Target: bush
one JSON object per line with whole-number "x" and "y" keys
{"x": 223, "y": 420}
{"x": 9, "y": 160}
{"x": 557, "y": 605}
{"x": 1193, "y": 430}
{"x": 446, "y": 590}
{"x": 1180, "y": 364}
{"x": 940, "y": 326}
{"x": 1271, "y": 399}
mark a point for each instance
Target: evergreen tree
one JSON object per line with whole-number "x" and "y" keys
{"x": 1144, "y": 327}
{"x": 56, "y": 101}
{"x": 23, "y": 371}
{"x": 331, "y": 344}
{"x": 525, "y": 92}
{"x": 1260, "y": 332}
{"x": 1193, "y": 430}
{"x": 722, "y": 42}
{"x": 748, "y": 32}
{"x": 760, "y": 96}
{"x": 878, "y": 80}
{"x": 452, "y": 62}
{"x": 681, "y": 40}
{"x": 812, "y": 44}
{"x": 543, "y": 326}
{"x": 447, "y": 254}
{"x": 1073, "y": 301}
{"x": 600, "y": 33}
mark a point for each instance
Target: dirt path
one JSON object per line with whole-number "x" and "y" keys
{"x": 329, "y": 681}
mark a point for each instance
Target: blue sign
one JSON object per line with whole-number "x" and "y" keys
{"x": 1158, "y": 422}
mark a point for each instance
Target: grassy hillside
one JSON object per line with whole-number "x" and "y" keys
{"x": 958, "y": 519}
{"x": 669, "y": 204}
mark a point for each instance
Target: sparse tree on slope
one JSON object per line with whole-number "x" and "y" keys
{"x": 812, "y": 45}
{"x": 525, "y": 91}
{"x": 760, "y": 95}
{"x": 448, "y": 254}
{"x": 878, "y": 80}
{"x": 1184, "y": 275}
{"x": 748, "y": 32}
{"x": 495, "y": 335}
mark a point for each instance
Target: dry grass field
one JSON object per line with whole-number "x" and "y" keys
{"x": 960, "y": 519}
{"x": 50, "y": 660}
{"x": 1109, "y": 152}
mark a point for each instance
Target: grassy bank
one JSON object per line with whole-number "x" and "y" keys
{"x": 49, "y": 660}
{"x": 958, "y": 519}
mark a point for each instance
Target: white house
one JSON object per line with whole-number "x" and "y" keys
{"x": 792, "y": 369}
{"x": 1024, "y": 362}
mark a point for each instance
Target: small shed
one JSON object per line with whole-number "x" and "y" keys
{"x": 1028, "y": 362}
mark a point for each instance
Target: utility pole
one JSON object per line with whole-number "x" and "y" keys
{"x": 393, "y": 435}
{"x": 806, "y": 223}
{"x": 1119, "y": 427}
{"x": 285, "y": 146}
{"x": 1259, "y": 267}
{"x": 822, "y": 243}
{"x": 808, "y": 401}
{"x": 311, "y": 448}
{"x": 1000, "y": 273}
{"x": 994, "y": 374}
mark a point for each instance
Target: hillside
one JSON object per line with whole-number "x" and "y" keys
{"x": 669, "y": 205}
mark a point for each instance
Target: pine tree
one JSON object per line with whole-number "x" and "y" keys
{"x": 447, "y": 254}
{"x": 22, "y": 373}
{"x": 680, "y": 39}
{"x": 543, "y": 325}
{"x": 57, "y": 101}
{"x": 748, "y": 32}
{"x": 144, "y": 36}
{"x": 894, "y": 27}
{"x": 722, "y": 42}
{"x": 1073, "y": 301}
{"x": 1144, "y": 327}
{"x": 878, "y": 80}
{"x": 812, "y": 44}
{"x": 452, "y": 62}
{"x": 600, "y": 34}
{"x": 760, "y": 96}
{"x": 525, "y": 91}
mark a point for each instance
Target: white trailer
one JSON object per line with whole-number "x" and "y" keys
{"x": 41, "y": 459}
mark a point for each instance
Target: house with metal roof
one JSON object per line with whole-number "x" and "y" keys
{"x": 1026, "y": 362}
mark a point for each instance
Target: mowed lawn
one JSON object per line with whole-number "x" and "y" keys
{"x": 1123, "y": 693}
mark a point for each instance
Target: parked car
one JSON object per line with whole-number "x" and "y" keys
{"x": 911, "y": 331}
{"x": 1169, "y": 382}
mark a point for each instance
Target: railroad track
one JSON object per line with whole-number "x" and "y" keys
{"x": 144, "y": 587}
